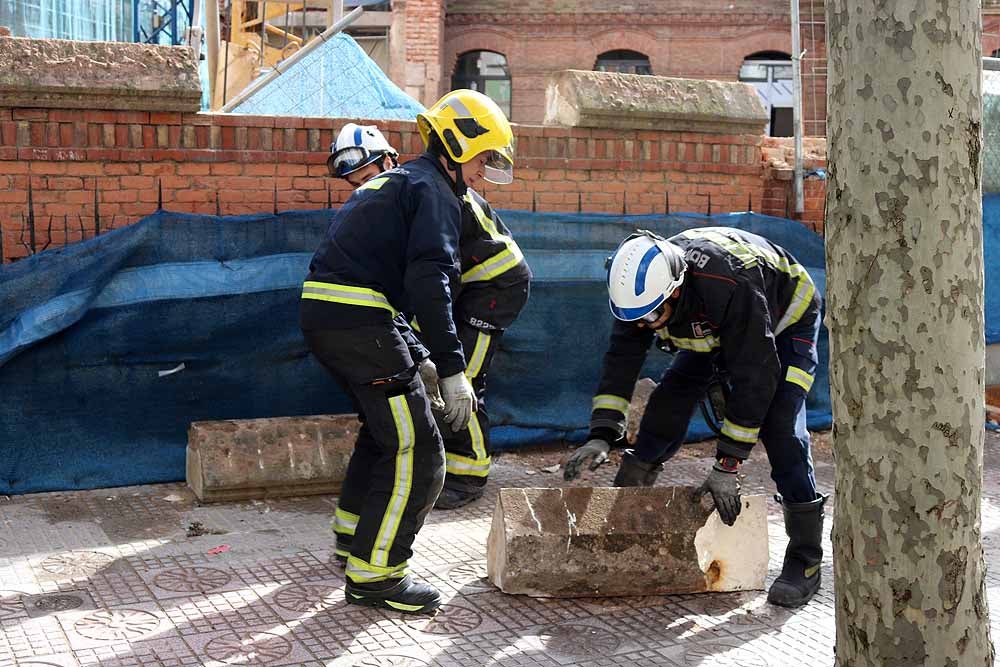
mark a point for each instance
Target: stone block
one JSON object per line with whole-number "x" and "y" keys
{"x": 239, "y": 459}
{"x": 65, "y": 74}
{"x": 595, "y": 542}
{"x": 578, "y": 98}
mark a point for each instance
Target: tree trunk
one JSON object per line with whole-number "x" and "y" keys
{"x": 905, "y": 311}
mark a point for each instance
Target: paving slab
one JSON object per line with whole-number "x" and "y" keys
{"x": 121, "y": 578}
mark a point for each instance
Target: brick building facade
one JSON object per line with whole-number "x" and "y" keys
{"x": 683, "y": 38}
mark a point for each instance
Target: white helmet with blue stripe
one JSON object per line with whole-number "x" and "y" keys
{"x": 642, "y": 273}
{"x": 358, "y": 146}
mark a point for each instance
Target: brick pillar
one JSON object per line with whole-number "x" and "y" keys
{"x": 424, "y": 49}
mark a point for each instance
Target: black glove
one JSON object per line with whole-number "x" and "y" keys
{"x": 724, "y": 484}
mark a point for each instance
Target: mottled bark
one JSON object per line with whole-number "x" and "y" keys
{"x": 905, "y": 312}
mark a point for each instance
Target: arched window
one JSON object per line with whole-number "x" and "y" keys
{"x": 623, "y": 61}
{"x": 485, "y": 71}
{"x": 770, "y": 72}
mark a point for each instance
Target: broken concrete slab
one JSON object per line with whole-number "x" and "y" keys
{"x": 578, "y": 98}
{"x": 593, "y": 542}
{"x": 66, "y": 74}
{"x": 240, "y": 459}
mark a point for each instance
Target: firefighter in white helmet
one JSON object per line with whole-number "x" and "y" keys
{"x": 359, "y": 153}
{"x": 717, "y": 297}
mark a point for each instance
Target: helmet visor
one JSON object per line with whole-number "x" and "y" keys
{"x": 499, "y": 167}
{"x": 349, "y": 159}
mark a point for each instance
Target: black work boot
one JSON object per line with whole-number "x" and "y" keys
{"x": 405, "y": 595}
{"x": 451, "y": 498}
{"x": 633, "y": 472}
{"x": 800, "y": 577}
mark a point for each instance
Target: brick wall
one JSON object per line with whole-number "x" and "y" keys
{"x": 700, "y": 46}
{"x": 424, "y": 42}
{"x": 705, "y": 39}
{"x": 247, "y": 164}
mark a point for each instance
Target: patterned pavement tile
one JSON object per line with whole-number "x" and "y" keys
{"x": 101, "y": 627}
{"x": 270, "y": 646}
{"x": 229, "y": 610}
{"x": 22, "y": 638}
{"x": 156, "y": 593}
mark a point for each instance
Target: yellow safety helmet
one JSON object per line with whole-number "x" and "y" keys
{"x": 468, "y": 123}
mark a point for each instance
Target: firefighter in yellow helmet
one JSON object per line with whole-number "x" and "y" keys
{"x": 495, "y": 278}
{"x": 394, "y": 247}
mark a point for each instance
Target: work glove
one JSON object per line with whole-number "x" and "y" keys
{"x": 429, "y": 374}
{"x": 595, "y": 451}
{"x": 459, "y": 400}
{"x": 724, "y": 484}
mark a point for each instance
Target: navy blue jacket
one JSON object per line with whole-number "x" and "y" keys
{"x": 396, "y": 237}
{"x": 740, "y": 293}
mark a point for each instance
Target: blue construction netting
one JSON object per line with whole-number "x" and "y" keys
{"x": 111, "y": 347}
{"x": 336, "y": 79}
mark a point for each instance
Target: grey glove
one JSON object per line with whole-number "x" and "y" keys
{"x": 595, "y": 451}
{"x": 724, "y": 484}
{"x": 429, "y": 374}
{"x": 459, "y": 400}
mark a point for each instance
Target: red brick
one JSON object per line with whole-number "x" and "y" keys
{"x": 8, "y": 133}
{"x": 226, "y": 169}
{"x": 287, "y": 122}
{"x": 126, "y": 117}
{"x": 164, "y": 118}
{"x": 30, "y": 114}
{"x": 228, "y": 140}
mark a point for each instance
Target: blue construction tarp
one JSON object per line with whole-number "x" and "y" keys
{"x": 336, "y": 79}
{"x": 111, "y": 347}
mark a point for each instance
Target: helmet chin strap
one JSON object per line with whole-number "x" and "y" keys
{"x": 459, "y": 186}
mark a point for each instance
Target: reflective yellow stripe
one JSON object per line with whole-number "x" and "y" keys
{"x": 374, "y": 184}
{"x": 344, "y": 522}
{"x": 478, "y": 441}
{"x": 800, "y": 299}
{"x": 463, "y": 465}
{"x": 402, "y": 606}
{"x": 749, "y": 253}
{"x": 610, "y": 402}
{"x": 706, "y": 344}
{"x": 415, "y": 325}
{"x": 362, "y": 572}
{"x": 498, "y": 264}
{"x": 349, "y": 294}
{"x": 401, "y": 485}
{"x": 799, "y": 377}
{"x": 739, "y": 433}
{"x": 734, "y": 247}
{"x": 478, "y": 356}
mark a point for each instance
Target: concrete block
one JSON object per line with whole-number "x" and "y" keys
{"x": 239, "y": 459}
{"x": 65, "y": 74}
{"x": 594, "y": 542}
{"x": 578, "y": 98}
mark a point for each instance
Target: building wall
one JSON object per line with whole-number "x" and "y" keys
{"x": 232, "y": 164}
{"x": 709, "y": 44}
{"x": 685, "y": 38}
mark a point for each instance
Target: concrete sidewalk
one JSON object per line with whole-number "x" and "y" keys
{"x": 143, "y": 577}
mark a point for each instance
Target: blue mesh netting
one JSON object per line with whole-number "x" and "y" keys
{"x": 90, "y": 333}
{"x": 336, "y": 79}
